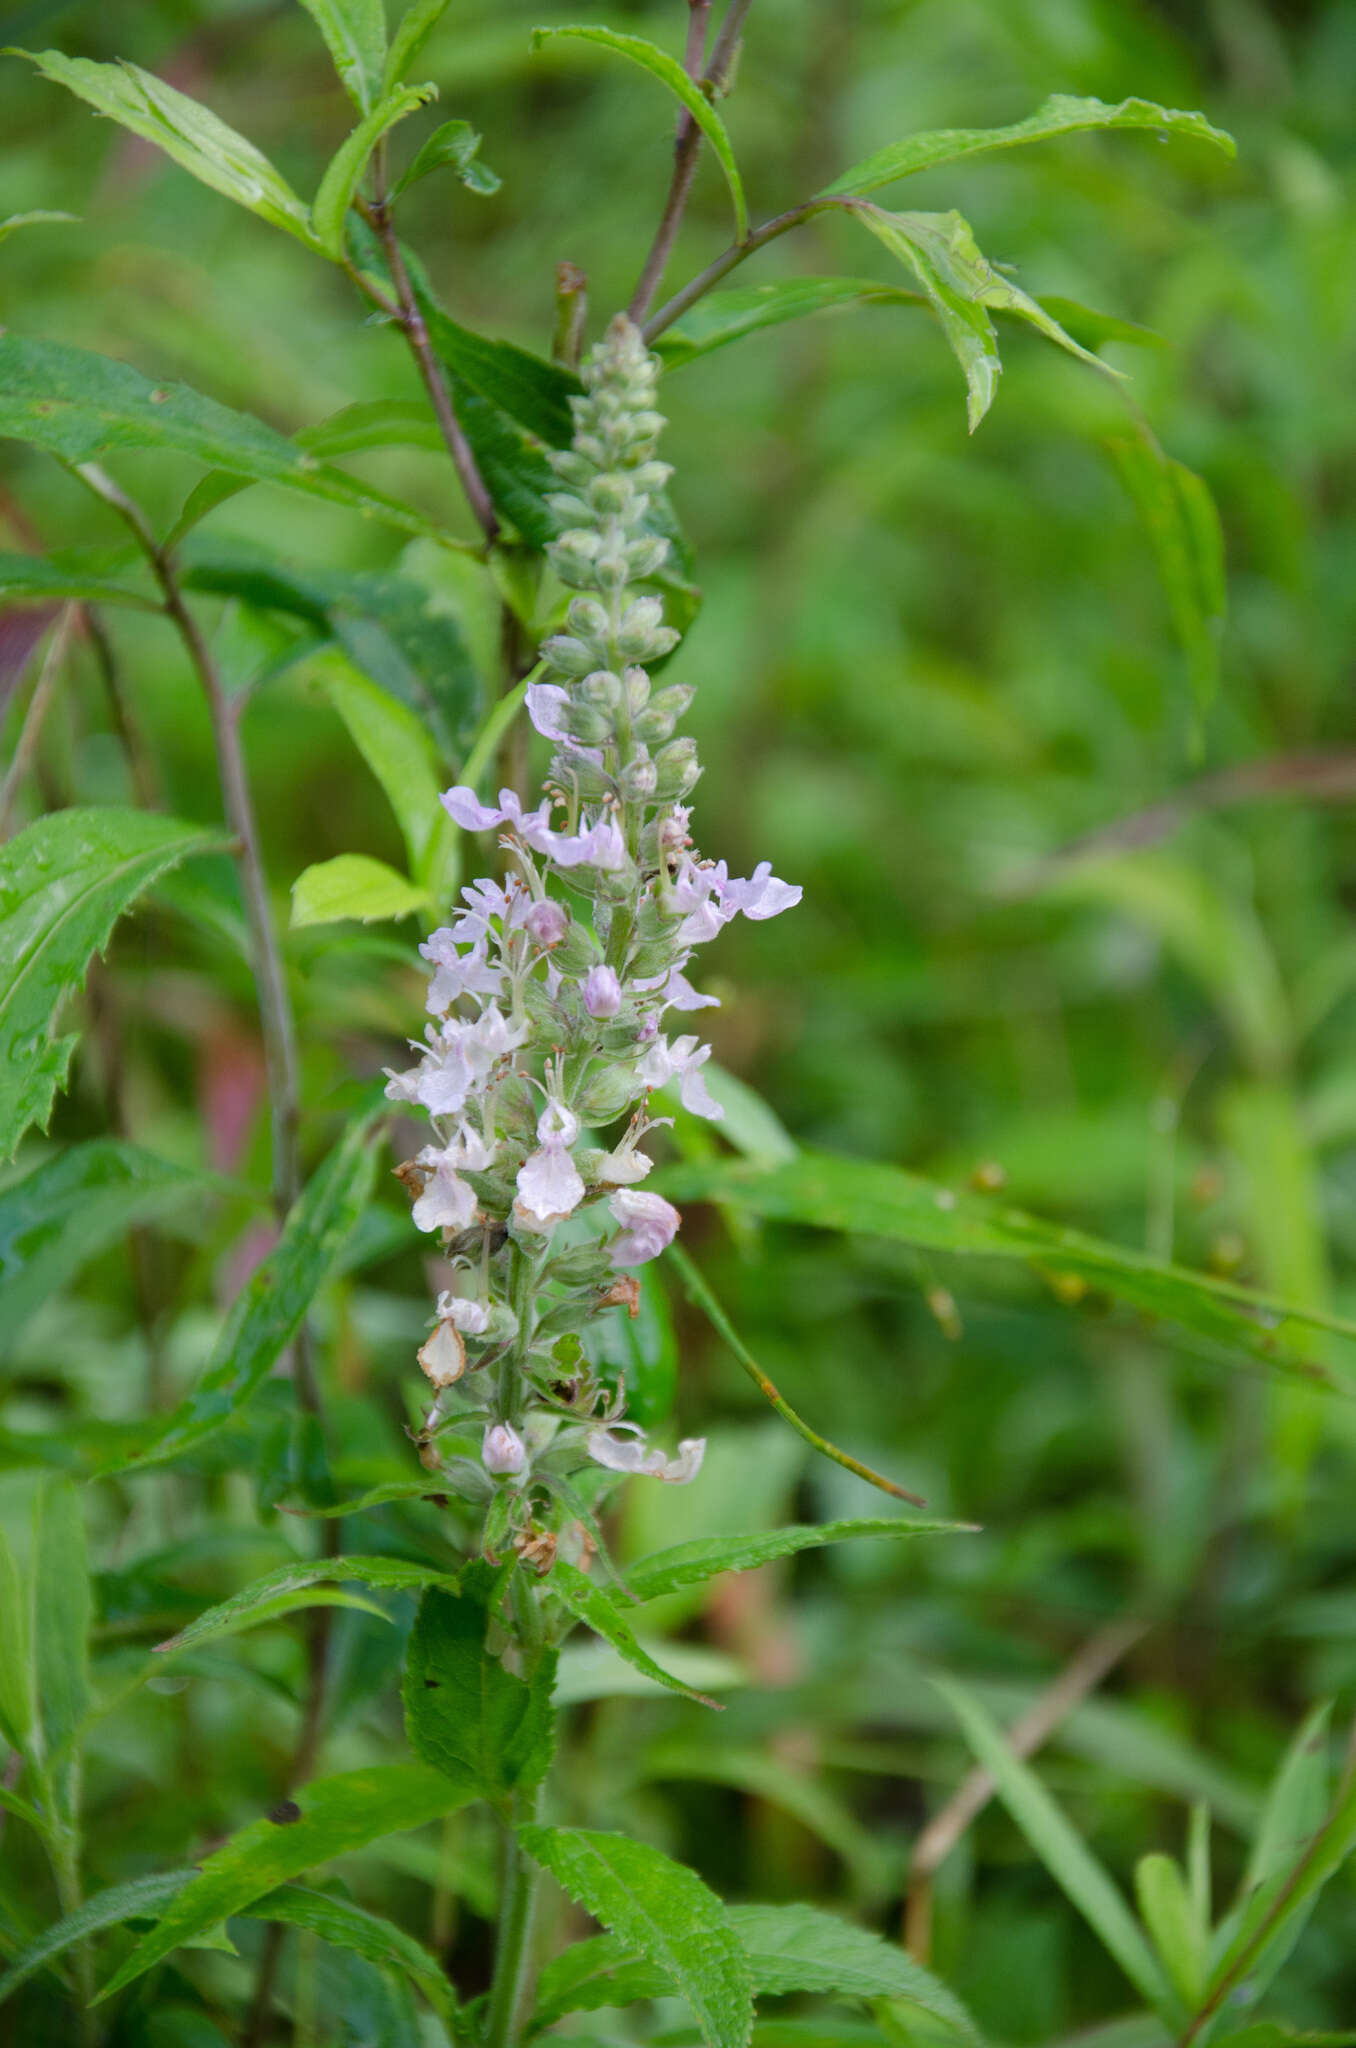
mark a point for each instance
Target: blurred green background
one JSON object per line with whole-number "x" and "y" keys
{"x": 926, "y": 664}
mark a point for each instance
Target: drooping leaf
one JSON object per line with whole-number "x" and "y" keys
{"x": 64, "y": 883}
{"x": 185, "y": 130}
{"x": 268, "y": 1311}
{"x": 34, "y": 579}
{"x": 670, "y": 73}
{"x": 465, "y": 1713}
{"x": 454, "y": 146}
{"x": 1061, "y": 114}
{"x": 832, "y": 1193}
{"x": 690, "y": 1564}
{"x": 81, "y": 407}
{"x": 353, "y": 885}
{"x": 599, "y": 1611}
{"x": 346, "y": 1925}
{"x": 1062, "y": 1850}
{"x": 1183, "y": 525}
{"x": 329, "y": 213}
{"x": 138, "y": 1899}
{"x": 594, "y": 1671}
{"x": 661, "y": 1911}
{"x": 381, "y": 1572}
{"x": 71, "y": 1207}
{"x": 355, "y": 36}
{"x": 335, "y": 1817}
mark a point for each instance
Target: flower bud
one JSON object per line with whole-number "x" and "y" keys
{"x": 601, "y": 689}
{"x": 588, "y": 618}
{"x": 569, "y": 657}
{"x": 602, "y": 992}
{"x": 677, "y": 768}
{"x": 547, "y": 923}
{"x": 610, "y": 494}
{"x": 642, "y": 625}
{"x": 637, "y": 685}
{"x": 638, "y": 781}
{"x": 503, "y": 1452}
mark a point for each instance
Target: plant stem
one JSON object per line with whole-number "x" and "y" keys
{"x": 514, "y": 1972}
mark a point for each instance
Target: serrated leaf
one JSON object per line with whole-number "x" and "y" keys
{"x": 833, "y": 1193}
{"x": 37, "y": 217}
{"x": 465, "y": 1713}
{"x": 71, "y": 1207}
{"x": 454, "y": 146}
{"x": 342, "y": 1923}
{"x": 662, "y": 1911}
{"x": 329, "y": 214}
{"x": 669, "y": 72}
{"x": 80, "y": 407}
{"x": 64, "y": 883}
{"x": 597, "y": 1610}
{"x": 355, "y": 36}
{"x": 268, "y": 1311}
{"x": 33, "y": 579}
{"x": 689, "y": 1564}
{"x": 380, "y": 1572}
{"x": 337, "y": 1815}
{"x": 136, "y": 1900}
{"x": 185, "y": 130}
{"x": 1063, "y": 1852}
{"x": 353, "y": 885}
{"x": 1183, "y": 524}
{"x": 415, "y": 27}
{"x": 1061, "y": 114}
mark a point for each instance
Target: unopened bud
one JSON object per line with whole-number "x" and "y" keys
{"x": 677, "y": 768}
{"x": 602, "y": 992}
{"x": 588, "y": 618}
{"x": 638, "y": 781}
{"x": 503, "y": 1452}
{"x": 547, "y": 923}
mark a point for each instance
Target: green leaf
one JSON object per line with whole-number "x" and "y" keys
{"x": 639, "y": 1352}
{"x": 33, "y": 579}
{"x": 18, "y": 1680}
{"x": 962, "y": 286}
{"x": 1067, "y": 1858}
{"x": 186, "y": 131}
{"x": 862, "y": 1195}
{"x": 269, "y": 1310}
{"x": 136, "y": 1900}
{"x": 40, "y": 216}
{"x": 64, "y": 883}
{"x": 456, "y": 146}
{"x": 376, "y": 1497}
{"x": 382, "y": 1572}
{"x": 339, "y": 1921}
{"x": 1061, "y": 114}
{"x": 1183, "y": 524}
{"x": 661, "y": 1911}
{"x": 397, "y": 748}
{"x": 355, "y": 36}
{"x": 689, "y": 1564}
{"x": 798, "y": 1948}
{"x": 62, "y": 1611}
{"x": 529, "y": 389}
{"x": 75, "y": 1205}
{"x": 597, "y": 1610}
{"x": 723, "y": 317}
{"x": 353, "y": 885}
{"x": 464, "y": 1712}
{"x": 670, "y": 73}
{"x": 337, "y": 1815}
{"x": 758, "y": 1774}
{"x": 1167, "y": 1911}
{"x": 329, "y": 214}
{"x": 414, "y": 30}
{"x": 80, "y": 406}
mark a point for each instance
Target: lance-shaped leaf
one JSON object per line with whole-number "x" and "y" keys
{"x": 353, "y": 885}
{"x": 380, "y": 1572}
{"x": 328, "y": 1818}
{"x": 833, "y": 1193}
{"x": 662, "y": 1911}
{"x": 330, "y": 211}
{"x": 185, "y": 130}
{"x": 413, "y": 31}
{"x": 355, "y": 36}
{"x": 269, "y": 1310}
{"x": 1061, "y": 114}
{"x": 64, "y": 883}
{"x": 139, "y": 1899}
{"x": 689, "y": 1564}
{"x": 962, "y": 287}
{"x": 339, "y": 1921}
{"x": 73, "y": 1206}
{"x": 81, "y": 407}
{"x": 599, "y": 1611}
{"x": 34, "y": 579}
{"x": 1183, "y": 524}
{"x": 670, "y": 73}
{"x": 465, "y": 1712}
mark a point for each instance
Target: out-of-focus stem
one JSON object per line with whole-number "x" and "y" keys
{"x": 511, "y": 1989}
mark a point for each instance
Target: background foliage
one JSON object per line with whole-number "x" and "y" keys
{"x": 927, "y": 666}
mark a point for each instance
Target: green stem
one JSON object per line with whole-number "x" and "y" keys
{"x": 674, "y": 308}
{"x": 514, "y": 1970}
